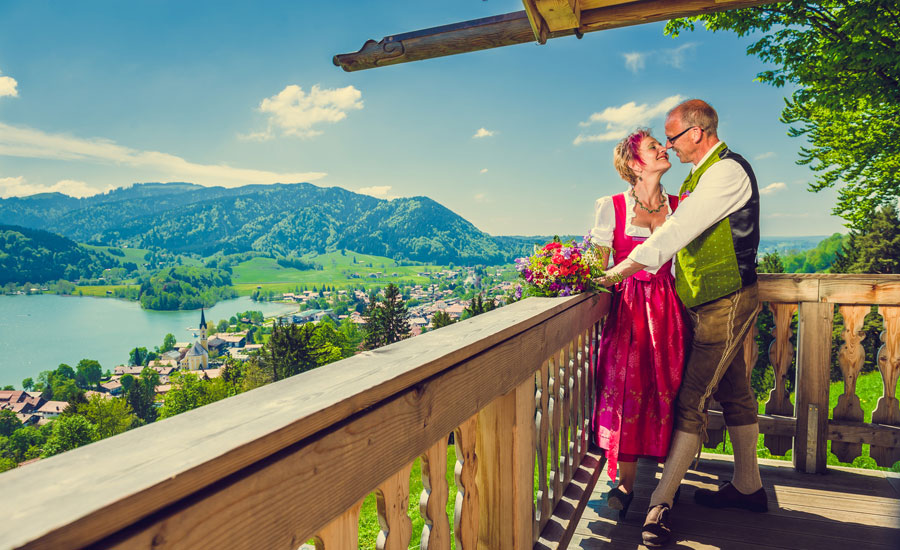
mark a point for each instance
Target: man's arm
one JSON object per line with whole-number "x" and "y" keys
{"x": 725, "y": 187}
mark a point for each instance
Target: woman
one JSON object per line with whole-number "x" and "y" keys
{"x": 644, "y": 338}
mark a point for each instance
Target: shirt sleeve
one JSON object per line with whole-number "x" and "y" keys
{"x": 604, "y": 222}
{"x": 722, "y": 190}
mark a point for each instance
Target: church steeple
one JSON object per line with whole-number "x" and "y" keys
{"x": 203, "y": 332}
{"x": 202, "y": 319}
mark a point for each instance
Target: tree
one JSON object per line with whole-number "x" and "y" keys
{"x": 873, "y": 250}
{"x": 189, "y": 392}
{"x": 88, "y": 373}
{"x": 69, "y": 432}
{"x": 28, "y": 384}
{"x": 109, "y": 416}
{"x": 291, "y": 350}
{"x": 137, "y": 357}
{"x": 441, "y": 319}
{"x": 222, "y": 326}
{"x": 478, "y": 305}
{"x": 771, "y": 263}
{"x": 842, "y": 59}
{"x": 9, "y": 422}
{"x": 142, "y": 394}
{"x": 168, "y": 343}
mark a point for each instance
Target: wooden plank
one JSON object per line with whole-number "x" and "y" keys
{"x": 242, "y": 430}
{"x": 857, "y": 433}
{"x": 787, "y": 288}
{"x": 466, "y": 509}
{"x": 560, "y": 15}
{"x": 342, "y": 533}
{"x": 887, "y": 410}
{"x": 781, "y": 426}
{"x": 505, "y": 449}
{"x": 559, "y": 530}
{"x": 433, "y": 501}
{"x": 813, "y": 367}
{"x": 392, "y": 504}
{"x": 851, "y": 357}
{"x": 781, "y": 354}
{"x": 860, "y": 289}
{"x": 515, "y": 28}
{"x": 538, "y": 25}
{"x": 542, "y": 427}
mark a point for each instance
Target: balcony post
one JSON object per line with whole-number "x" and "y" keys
{"x": 505, "y": 451}
{"x": 811, "y": 397}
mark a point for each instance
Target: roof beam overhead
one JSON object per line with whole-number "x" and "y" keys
{"x": 536, "y": 23}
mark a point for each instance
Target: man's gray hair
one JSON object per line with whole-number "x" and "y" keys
{"x": 696, "y": 112}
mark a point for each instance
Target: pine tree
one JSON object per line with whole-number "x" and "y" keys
{"x": 386, "y": 319}
{"x": 771, "y": 263}
{"x": 875, "y": 250}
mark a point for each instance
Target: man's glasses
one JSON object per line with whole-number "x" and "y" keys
{"x": 672, "y": 139}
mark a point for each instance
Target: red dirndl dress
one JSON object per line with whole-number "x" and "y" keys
{"x": 640, "y": 358}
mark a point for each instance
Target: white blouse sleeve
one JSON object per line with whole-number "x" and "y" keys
{"x": 604, "y": 222}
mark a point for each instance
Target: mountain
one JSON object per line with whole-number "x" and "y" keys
{"x": 286, "y": 219}
{"x": 34, "y": 256}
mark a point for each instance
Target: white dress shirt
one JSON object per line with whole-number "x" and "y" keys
{"x": 722, "y": 190}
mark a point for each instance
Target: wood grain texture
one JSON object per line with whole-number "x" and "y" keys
{"x": 554, "y": 475}
{"x": 433, "y": 501}
{"x": 560, "y": 15}
{"x": 392, "y": 505}
{"x": 466, "y": 509}
{"x": 781, "y": 354}
{"x": 813, "y": 366}
{"x": 851, "y": 357}
{"x": 341, "y": 534}
{"x": 275, "y": 429}
{"x": 888, "y": 409}
{"x": 542, "y": 445}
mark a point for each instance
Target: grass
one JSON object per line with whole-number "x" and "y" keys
{"x": 99, "y": 290}
{"x": 869, "y": 387}
{"x": 339, "y": 270}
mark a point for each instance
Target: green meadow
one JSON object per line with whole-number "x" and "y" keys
{"x": 338, "y": 270}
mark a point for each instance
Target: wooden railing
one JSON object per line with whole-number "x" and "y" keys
{"x": 804, "y": 426}
{"x": 292, "y": 461}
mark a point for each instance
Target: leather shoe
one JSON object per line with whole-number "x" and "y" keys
{"x": 656, "y": 531}
{"x": 729, "y": 497}
{"x": 617, "y": 499}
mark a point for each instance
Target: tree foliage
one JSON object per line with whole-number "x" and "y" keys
{"x": 189, "y": 392}
{"x": 386, "y": 319}
{"x": 875, "y": 249}
{"x": 843, "y": 59}
{"x": 31, "y": 255}
{"x": 69, "y": 432}
{"x": 291, "y": 349}
{"x": 185, "y": 288}
{"x": 440, "y": 319}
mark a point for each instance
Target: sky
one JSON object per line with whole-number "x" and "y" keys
{"x": 96, "y": 95}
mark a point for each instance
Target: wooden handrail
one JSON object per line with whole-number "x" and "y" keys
{"x": 337, "y": 431}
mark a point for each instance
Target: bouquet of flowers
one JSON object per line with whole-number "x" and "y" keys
{"x": 561, "y": 269}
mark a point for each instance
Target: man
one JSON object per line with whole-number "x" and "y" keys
{"x": 715, "y": 233}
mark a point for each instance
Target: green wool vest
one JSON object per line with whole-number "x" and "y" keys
{"x": 707, "y": 268}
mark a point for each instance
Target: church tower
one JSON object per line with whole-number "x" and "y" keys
{"x": 203, "y": 330}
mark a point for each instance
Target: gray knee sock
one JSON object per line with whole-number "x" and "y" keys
{"x": 682, "y": 451}
{"x": 746, "y": 467}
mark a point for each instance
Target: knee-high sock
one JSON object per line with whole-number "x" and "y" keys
{"x": 746, "y": 467}
{"x": 682, "y": 451}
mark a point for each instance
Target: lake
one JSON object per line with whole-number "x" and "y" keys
{"x": 39, "y": 332}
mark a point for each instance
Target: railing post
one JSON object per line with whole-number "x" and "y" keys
{"x": 811, "y": 397}
{"x": 505, "y": 451}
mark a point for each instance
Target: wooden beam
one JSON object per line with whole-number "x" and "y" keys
{"x": 560, "y": 15}
{"x": 515, "y": 28}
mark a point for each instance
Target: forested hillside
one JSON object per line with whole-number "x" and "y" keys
{"x": 34, "y": 256}
{"x": 283, "y": 219}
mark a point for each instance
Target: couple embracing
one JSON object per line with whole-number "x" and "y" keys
{"x": 672, "y": 342}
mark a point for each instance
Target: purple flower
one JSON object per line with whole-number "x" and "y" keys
{"x": 565, "y": 291}
{"x": 521, "y": 264}
{"x": 586, "y": 242}
{"x": 518, "y": 294}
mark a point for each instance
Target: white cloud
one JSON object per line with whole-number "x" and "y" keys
{"x": 293, "y": 112}
{"x": 635, "y": 61}
{"x": 483, "y": 132}
{"x": 676, "y": 56}
{"x": 18, "y": 187}
{"x": 483, "y": 171}
{"x": 773, "y": 188}
{"x": 620, "y": 120}
{"x": 8, "y": 86}
{"x": 27, "y": 142}
{"x": 480, "y": 197}
{"x": 377, "y": 191}
{"x": 766, "y": 155}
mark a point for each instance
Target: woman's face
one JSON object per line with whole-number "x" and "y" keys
{"x": 654, "y": 155}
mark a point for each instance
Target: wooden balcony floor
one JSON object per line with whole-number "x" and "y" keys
{"x": 847, "y": 508}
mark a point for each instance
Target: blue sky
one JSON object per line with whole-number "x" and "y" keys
{"x": 518, "y": 140}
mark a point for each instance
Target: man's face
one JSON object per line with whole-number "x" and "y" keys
{"x": 683, "y": 144}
